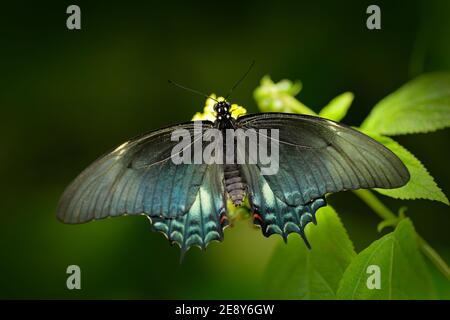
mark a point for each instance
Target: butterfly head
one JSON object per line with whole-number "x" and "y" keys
{"x": 222, "y": 109}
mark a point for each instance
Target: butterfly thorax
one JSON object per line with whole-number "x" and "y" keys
{"x": 224, "y": 120}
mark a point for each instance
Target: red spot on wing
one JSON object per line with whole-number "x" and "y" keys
{"x": 223, "y": 218}
{"x": 257, "y": 216}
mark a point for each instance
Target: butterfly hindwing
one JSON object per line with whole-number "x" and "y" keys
{"x": 206, "y": 218}
{"x": 274, "y": 215}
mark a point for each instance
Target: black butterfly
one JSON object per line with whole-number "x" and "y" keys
{"x": 187, "y": 202}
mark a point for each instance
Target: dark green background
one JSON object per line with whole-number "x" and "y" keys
{"x": 68, "y": 96}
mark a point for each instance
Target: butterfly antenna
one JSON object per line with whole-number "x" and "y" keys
{"x": 192, "y": 90}
{"x": 240, "y": 80}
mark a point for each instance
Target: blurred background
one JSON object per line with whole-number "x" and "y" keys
{"x": 66, "y": 97}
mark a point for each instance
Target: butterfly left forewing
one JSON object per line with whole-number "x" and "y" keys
{"x": 138, "y": 177}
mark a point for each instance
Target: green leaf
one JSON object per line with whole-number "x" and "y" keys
{"x": 421, "y": 105}
{"x": 421, "y": 185}
{"x": 440, "y": 281}
{"x": 402, "y": 269}
{"x": 394, "y": 221}
{"x": 338, "y": 107}
{"x": 387, "y": 223}
{"x": 294, "y": 272}
{"x": 279, "y": 97}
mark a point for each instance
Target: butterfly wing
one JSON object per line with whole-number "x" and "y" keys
{"x": 184, "y": 201}
{"x": 274, "y": 215}
{"x": 206, "y": 218}
{"x": 316, "y": 156}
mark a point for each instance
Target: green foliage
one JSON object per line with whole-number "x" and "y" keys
{"x": 441, "y": 283}
{"x": 421, "y": 105}
{"x": 294, "y": 272}
{"x": 279, "y": 97}
{"x": 403, "y": 272}
{"x": 421, "y": 185}
{"x": 392, "y": 222}
{"x": 338, "y": 107}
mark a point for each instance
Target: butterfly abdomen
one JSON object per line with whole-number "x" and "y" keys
{"x": 234, "y": 183}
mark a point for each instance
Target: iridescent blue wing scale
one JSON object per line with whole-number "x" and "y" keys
{"x": 274, "y": 215}
{"x": 205, "y": 219}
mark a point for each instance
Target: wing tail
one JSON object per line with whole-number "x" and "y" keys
{"x": 275, "y": 216}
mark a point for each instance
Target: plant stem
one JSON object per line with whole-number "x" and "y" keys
{"x": 385, "y": 213}
{"x": 434, "y": 257}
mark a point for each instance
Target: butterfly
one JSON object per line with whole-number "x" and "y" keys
{"x": 188, "y": 201}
